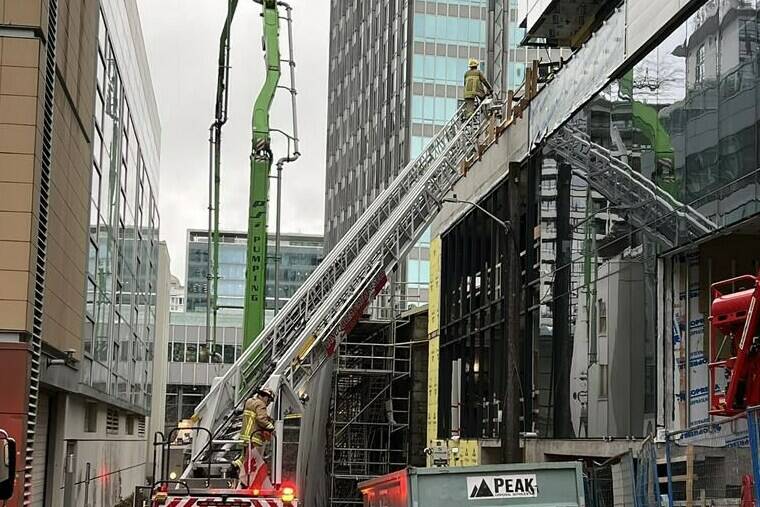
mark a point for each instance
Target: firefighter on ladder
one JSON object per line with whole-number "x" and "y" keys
{"x": 255, "y": 433}
{"x": 476, "y": 87}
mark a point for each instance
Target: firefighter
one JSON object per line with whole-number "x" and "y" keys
{"x": 257, "y": 428}
{"x": 476, "y": 87}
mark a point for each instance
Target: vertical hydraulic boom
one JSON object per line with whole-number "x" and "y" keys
{"x": 261, "y": 163}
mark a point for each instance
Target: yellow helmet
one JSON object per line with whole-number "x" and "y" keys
{"x": 473, "y": 63}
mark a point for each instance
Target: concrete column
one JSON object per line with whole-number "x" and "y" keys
{"x": 511, "y": 427}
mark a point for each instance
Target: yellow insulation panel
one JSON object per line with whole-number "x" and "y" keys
{"x": 434, "y": 296}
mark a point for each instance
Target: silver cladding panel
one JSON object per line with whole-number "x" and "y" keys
{"x": 583, "y": 76}
{"x": 624, "y": 35}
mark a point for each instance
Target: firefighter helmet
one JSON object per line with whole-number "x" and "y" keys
{"x": 473, "y": 63}
{"x": 267, "y": 392}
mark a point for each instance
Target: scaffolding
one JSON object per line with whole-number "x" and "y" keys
{"x": 369, "y": 409}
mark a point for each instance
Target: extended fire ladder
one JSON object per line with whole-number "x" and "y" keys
{"x": 646, "y": 205}
{"x": 305, "y": 333}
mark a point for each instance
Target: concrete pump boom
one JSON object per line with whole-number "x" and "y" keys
{"x": 261, "y": 163}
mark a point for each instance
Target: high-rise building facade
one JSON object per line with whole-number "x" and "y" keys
{"x": 396, "y": 75}
{"x": 298, "y": 257}
{"x": 79, "y": 143}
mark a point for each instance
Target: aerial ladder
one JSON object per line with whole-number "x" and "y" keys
{"x": 305, "y": 333}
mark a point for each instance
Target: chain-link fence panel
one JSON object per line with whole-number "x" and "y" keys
{"x": 599, "y": 486}
{"x": 710, "y": 464}
{"x": 611, "y": 483}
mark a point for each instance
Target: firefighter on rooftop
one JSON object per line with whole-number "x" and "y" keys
{"x": 476, "y": 87}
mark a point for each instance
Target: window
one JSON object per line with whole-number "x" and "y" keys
{"x": 602, "y": 312}
{"x": 229, "y": 354}
{"x": 699, "y": 65}
{"x": 130, "y": 425}
{"x": 112, "y": 422}
{"x": 179, "y": 352}
{"x": 603, "y": 381}
{"x": 192, "y": 353}
{"x": 91, "y": 418}
{"x": 418, "y": 272}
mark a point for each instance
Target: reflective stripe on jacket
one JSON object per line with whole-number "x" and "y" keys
{"x": 255, "y": 421}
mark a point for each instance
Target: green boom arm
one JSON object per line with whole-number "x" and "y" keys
{"x": 261, "y": 163}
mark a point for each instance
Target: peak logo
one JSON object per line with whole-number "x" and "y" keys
{"x": 502, "y": 486}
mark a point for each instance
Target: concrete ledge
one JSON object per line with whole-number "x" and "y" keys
{"x": 537, "y": 450}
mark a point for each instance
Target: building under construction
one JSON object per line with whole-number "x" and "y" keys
{"x": 568, "y": 293}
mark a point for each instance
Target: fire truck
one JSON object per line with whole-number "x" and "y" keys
{"x": 212, "y": 497}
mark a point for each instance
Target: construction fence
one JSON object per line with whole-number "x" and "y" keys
{"x": 627, "y": 480}
{"x": 714, "y": 464}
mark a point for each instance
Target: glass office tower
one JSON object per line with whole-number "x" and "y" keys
{"x": 299, "y": 256}
{"x": 396, "y": 73}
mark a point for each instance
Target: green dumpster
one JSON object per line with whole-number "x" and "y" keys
{"x": 524, "y": 484}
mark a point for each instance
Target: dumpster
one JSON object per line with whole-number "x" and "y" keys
{"x": 524, "y": 484}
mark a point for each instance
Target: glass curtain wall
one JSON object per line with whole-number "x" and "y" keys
{"x": 299, "y": 256}
{"x": 445, "y": 36}
{"x": 683, "y": 123}
{"x": 188, "y": 344}
{"x": 123, "y": 245}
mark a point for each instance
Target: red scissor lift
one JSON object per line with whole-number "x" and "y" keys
{"x": 734, "y": 345}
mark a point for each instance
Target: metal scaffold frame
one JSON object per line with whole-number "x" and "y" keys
{"x": 368, "y": 430}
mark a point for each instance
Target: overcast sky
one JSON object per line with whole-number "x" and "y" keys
{"x": 182, "y": 37}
